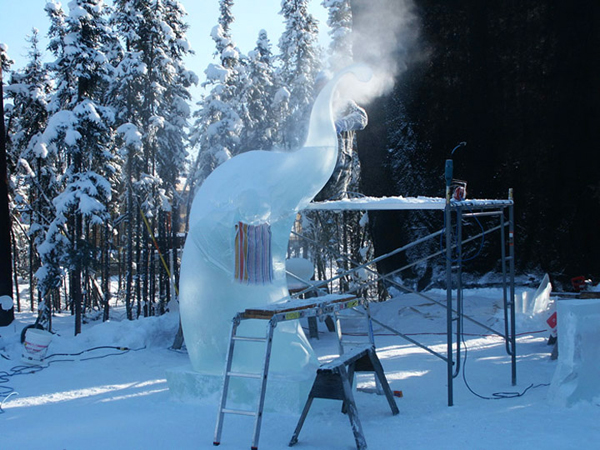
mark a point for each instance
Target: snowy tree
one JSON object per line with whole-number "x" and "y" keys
{"x": 79, "y": 132}
{"x": 300, "y": 65}
{"x": 225, "y": 20}
{"x": 150, "y": 96}
{"x": 6, "y": 284}
{"x": 257, "y": 98}
{"x": 340, "y": 30}
{"x": 33, "y": 175}
{"x": 217, "y": 123}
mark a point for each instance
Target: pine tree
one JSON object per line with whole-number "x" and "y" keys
{"x": 217, "y": 123}
{"x": 80, "y": 133}
{"x": 33, "y": 176}
{"x": 340, "y": 30}
{"x": 300, "y": 65}
{"x": 6, "y": 286}
{"x": 150, "y": 95}
{"x": 257, "y": 98}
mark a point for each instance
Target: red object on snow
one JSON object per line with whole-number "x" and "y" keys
{"x": 552, "y": 320}
{"x": 578, "y": 283}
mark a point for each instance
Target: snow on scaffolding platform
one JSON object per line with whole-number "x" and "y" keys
{"x": 402, "y": 203}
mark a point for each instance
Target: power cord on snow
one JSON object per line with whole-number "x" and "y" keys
{"x": 7, "y": 391}
{"x": 122, "y": 351}
{"x": 495, "y": 395}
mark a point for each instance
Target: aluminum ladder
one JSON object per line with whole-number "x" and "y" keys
{"x": 258, "y": 413}
{"x": 275, "y": 313}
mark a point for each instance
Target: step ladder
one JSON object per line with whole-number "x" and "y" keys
{"x": 258, "y": 412}
{"x": 274, "y": 313}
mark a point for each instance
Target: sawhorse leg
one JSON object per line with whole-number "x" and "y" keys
{"x": 334, "y": 384}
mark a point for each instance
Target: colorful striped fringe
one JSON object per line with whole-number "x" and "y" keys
{"x": 253, "y": 260}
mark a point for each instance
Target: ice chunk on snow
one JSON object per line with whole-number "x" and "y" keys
{"x": 577, "y": 376}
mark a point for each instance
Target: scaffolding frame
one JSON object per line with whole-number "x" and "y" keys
{"x": 454, "y": 211}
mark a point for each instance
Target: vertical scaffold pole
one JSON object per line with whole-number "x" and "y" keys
{"x": 448, "y": 229}
{"x": 511, "y": 251}
{"x": 505, "y": 294}
{"x": 459, "y": 292}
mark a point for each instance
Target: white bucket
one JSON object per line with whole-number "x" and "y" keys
{"x": 35, "y": 345}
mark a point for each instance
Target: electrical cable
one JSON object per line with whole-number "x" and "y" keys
{"x": 460, "y": 144}
{"x": 7, "y": 391}
{"x": 481, "y": 244}
{"x": 495, "y": 395}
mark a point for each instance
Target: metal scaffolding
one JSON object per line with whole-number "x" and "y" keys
{"x": 455, "y": 211}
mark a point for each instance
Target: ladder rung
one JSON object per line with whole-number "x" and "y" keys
{"x": 249, "y": 339}
{"x": 240, "y": 412}
{"x": 244, "y": 375}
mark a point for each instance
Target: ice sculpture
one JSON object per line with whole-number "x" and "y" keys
{"x": 578, "y": 371}
{"x": 256, "y": 190}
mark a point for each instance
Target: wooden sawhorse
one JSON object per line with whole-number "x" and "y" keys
{"x": 334, "y": 381}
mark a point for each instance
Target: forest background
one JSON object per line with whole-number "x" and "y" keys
{"x": 99, "y": 137}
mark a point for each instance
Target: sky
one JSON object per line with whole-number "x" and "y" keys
{"x": 251, "y": 16}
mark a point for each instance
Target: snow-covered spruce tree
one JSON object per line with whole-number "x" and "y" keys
{"x": 79, "y": 132}
{"x": 6, "y": 281}
{"x": 300, "y": 64}
{"x": 150, "y": 95}
{"x": 217, "y": 124}
{"x": 126, "y": 97}
{"x": 33, "y": 176}
{"x": 339, "y": 19}
{"x": 340, "y": 237}
{"x": 257, "y": 98}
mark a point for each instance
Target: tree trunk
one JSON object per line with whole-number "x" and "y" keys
{"x": 76, "y": 293}
{"x": 31, "y": 282}
{"x": 15, "y": 273}
{"x": 139, "y": 269}
{"x": 106, "y": 274}
{"x": 129, "y": 238}
{"x": 6, "y": 282}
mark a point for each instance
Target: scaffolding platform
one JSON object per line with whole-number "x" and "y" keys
{"x": 455, "y": 212}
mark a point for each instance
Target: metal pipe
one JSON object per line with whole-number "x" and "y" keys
{"x": 441, "y": 252}
{"x": 504, "y": 286}
{"x": 365, "y": 265}
{"x": 409, "y": 339}
{"x": 482, "y": 213}
{"x": 459, "y": 294}
{"x": 511, "y": 250}
{"x": 449, "y": 356}
{"x": 387, "y": 277}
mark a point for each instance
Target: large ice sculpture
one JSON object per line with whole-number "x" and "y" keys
{"x": 259, "y": 189}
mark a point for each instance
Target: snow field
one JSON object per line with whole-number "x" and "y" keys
{"x": 122, "y": 401}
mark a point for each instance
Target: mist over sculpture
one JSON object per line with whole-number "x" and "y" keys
{"x": 234, "y": 256}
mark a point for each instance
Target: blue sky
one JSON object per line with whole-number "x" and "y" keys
{"x": 16, "y": 22}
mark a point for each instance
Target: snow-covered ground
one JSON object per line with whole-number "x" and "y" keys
{"x": 119, "y": 399}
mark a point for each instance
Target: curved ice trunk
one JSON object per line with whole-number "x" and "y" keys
{"x": 256, "y": 187}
